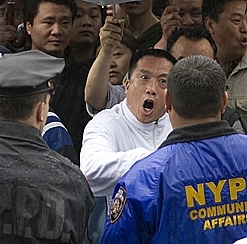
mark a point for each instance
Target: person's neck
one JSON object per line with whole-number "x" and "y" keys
{"x": 140, "y": 24}
{"x": 32, "y": 121}
{"x": 55, "y": 54}
{"x": 228, "y": 63}
{"x": 178, "y": 122}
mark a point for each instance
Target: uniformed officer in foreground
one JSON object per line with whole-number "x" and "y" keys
{"x": 193, "y": 188}
{"x": 44, "y": 197}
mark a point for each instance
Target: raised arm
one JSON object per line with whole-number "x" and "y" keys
{"x": 98, "y": 77}
{"x": 170, "y": 20}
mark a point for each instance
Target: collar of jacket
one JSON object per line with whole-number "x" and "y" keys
{"x": 160, "y": 123}
{"x": 240, "y": 64}
{"x": 199, "y": 132}
{"x": 22, "y": 132}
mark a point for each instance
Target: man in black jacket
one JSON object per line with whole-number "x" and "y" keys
{"x": 44, "y": 197}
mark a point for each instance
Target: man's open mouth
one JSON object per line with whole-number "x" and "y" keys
{"x": 148, "y": 105}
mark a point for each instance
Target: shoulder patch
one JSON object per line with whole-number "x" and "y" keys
{"x": 118, "y": 205}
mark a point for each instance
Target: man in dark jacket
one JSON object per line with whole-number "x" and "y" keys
{"x": 44, "y": 197}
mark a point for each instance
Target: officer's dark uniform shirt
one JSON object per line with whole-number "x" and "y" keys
{"x": 44, "y": 197}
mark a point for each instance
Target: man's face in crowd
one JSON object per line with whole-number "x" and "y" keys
{"x": 184, "y": 47}
{"x": 230, "y": 31}
{"x": 87, "y": 24}
{"x": 137, "y": 8}
{"x": 145, "y": 89}
{"x": 119, "y": 65}
{"x": 190, "y": 11}
{"x": 51, "y": 28}
{"x": 18, "y": 16}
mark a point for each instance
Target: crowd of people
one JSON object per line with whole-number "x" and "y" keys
{"x": 123, "y": 124}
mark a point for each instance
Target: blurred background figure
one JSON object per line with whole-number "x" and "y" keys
{"x": 12, "y": 33}
{"x": 85, "y": 31}
{"x": 226, "y": 21}
{"x": 141, "y": 21}
{"x": 188, "y": 41}
{"x": 176, "y": 14}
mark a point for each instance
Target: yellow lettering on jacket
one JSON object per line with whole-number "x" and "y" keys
{"x": 236, "y": 185}
{"x": 192, "y": 194}
{"x": 216, "y": 190}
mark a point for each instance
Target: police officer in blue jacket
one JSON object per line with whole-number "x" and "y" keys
{"x": 193, "y": 188}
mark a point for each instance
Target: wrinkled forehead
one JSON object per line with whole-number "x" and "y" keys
{"x": 148, "y": 59}
{"x": 184, "y": 47}
{"x": 152, "y": 64}
{"x": 234, "y": 5}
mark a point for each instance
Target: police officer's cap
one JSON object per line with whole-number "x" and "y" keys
{"x": 28, "y": 72}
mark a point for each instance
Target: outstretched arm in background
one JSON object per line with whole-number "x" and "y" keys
{"x": 98, "y": 77}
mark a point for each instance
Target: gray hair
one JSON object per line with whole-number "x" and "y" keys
{"x": 196, "y": 85}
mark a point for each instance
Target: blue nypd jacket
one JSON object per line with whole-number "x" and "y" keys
{"x": 191, "y": 190}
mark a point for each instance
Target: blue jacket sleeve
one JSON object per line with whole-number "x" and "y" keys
{"x": 58, "y": 139}
{"x": 132, "y": 217}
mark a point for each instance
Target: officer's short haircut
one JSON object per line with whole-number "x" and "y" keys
{"x": 20, "y": 108}
{"x": 196, "y": 85}
{"x": 158, "y": 53}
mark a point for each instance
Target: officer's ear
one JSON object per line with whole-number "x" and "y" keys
{"x": 41, "y": 111}
{"x": 224, "y": 102}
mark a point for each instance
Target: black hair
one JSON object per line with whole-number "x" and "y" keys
{"x": 20, "y": 108}
{"x": 213, "y": 8}
{"x": 31, "y": 8}
{"x": 196, "y": 85}
{"x": 158, "y": 53}
{"x": 193, "y": 33}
